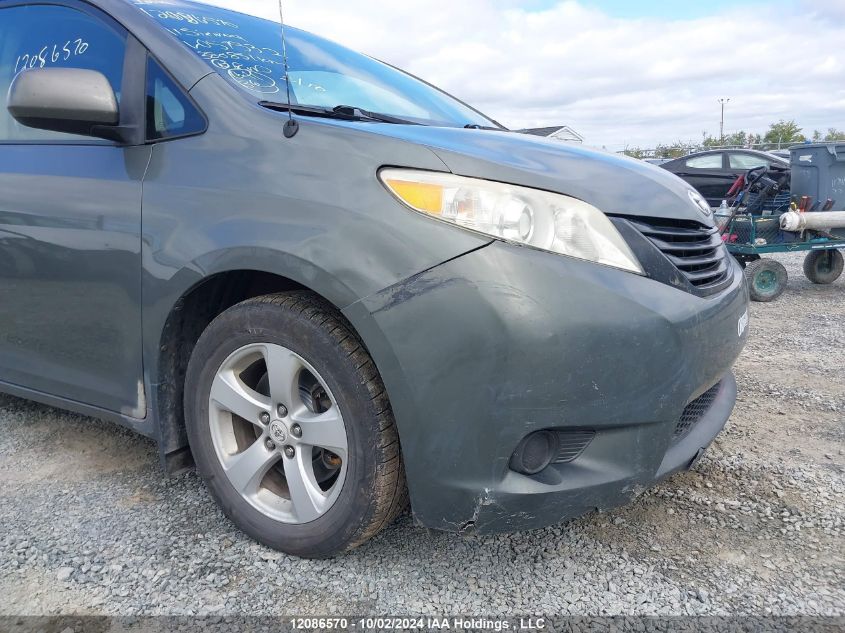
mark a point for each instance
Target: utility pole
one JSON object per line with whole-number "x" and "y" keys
{"x": 723, "y": 103}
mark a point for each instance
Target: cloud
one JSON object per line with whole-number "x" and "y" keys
{"x": 617, "y": 81}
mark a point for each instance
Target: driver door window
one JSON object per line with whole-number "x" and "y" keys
{"x": 52, "y": 36}
{"x": 747, "y": 161}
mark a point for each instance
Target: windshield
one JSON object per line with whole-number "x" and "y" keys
{"x": 246, "y": 51}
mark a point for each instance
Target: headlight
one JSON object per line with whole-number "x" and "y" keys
{"x": 547, "y": 221}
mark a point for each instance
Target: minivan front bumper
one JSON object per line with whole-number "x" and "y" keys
{"x": 483, "y": 350}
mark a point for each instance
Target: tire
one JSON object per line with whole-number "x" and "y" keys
{"x": 824, "y": 267}
{"x": 315, "y": 502}
{"x": 767, "y": 280}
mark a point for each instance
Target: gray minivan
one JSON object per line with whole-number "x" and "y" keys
{"x": 337, "y": 289}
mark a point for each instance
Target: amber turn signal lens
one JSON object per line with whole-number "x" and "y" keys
{"x": 421, "y": 196}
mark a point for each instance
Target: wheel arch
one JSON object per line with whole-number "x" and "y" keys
{"x": 195, "y": 296}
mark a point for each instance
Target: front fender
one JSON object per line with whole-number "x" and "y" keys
{"x": 309, "y": 209}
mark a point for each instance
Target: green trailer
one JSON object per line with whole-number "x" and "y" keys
{"x": 750, "y": 238}
{"x": 752, "y": 228}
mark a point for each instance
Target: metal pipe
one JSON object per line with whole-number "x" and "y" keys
{"x": 797, "y": 222}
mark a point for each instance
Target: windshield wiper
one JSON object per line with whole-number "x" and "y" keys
{"x": 364, "y": 115}
{"x": 341, "y": 112}
{"x": 475, "y": 126}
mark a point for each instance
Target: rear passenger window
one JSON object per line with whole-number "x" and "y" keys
{"x": 747, "y": 161}
{"x": 49, "y": 36}
{"x": 170, "y": 113}
{"x": 712, "y": 161}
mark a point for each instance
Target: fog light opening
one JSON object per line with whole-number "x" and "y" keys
{"x": 535, "y": 452}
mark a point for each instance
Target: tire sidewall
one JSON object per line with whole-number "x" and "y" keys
{"x": 761, "y": 266}
{"x": 813, "y": 262}
{"x": 268, "y": 323}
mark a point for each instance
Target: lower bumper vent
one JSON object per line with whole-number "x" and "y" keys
{"x": 694, "y": 411}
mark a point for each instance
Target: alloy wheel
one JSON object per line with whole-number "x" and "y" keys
{"x": 278, "y": 433}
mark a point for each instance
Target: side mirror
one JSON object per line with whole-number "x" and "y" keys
{"x": 70, "y": 100}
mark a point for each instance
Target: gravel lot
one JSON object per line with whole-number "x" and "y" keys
{"x": 91, "y": 525}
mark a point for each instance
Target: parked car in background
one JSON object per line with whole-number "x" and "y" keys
{"x": 368, "y": 291}
{"x": 783, "y": 154}
{"x": 713, "y": 173}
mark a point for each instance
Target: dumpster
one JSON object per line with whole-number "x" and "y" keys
{"x": 818, "y": 171}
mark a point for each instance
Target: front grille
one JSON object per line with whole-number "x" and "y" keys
{"x": 694, "y": 249}
{"x": 694, "y": 411}
{"x": 572, "y": 444}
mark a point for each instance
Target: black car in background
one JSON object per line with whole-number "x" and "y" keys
{"x": 713, "y": 173}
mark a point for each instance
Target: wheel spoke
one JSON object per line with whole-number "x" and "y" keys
{"x": 306, "y": 497}
{"x": 325, "y": 430}
{"x": 246, "y": 470}
{"x": 237, "y": 391}
{"x": 283, "y": 367}
{"x": 232, "y": 395}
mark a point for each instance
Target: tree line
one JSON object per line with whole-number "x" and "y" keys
{"x": 782, "y": 134}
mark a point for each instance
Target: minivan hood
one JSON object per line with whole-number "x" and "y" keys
{"x": 616, "y": 184}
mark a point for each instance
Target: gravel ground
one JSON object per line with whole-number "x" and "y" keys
{"x": 90, "y": 525}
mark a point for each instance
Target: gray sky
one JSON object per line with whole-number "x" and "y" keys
{"x": 621, "y": 72}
